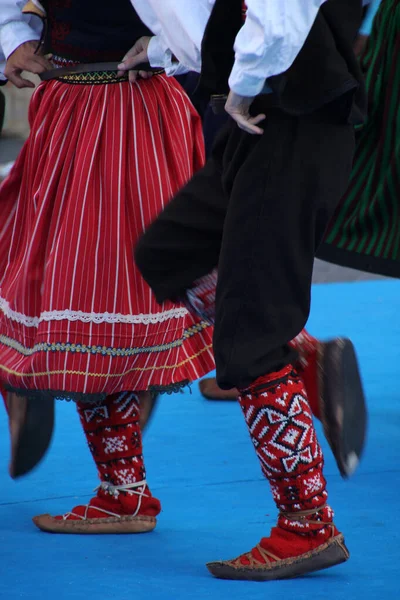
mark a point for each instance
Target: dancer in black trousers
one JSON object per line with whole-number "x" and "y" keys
{"x": 257, "y": 212}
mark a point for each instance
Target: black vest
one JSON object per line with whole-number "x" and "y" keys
{"x": 91, "y": 31}
{"x": 324, "y": 70}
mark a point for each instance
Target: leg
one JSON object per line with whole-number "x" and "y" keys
{"x": 335, "y": 393}
{"x": 124, "y": 503}
{"x": 147, "y": 403}
{"x": 305, "y": 539}
{"x": 291, "y": 190}
{"x": 184, "y": 242}
{"x": 281, "y": 199}
{"x": 282, "y": 191}
{"x": 212, "y": 124}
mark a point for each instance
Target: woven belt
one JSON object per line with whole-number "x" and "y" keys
{"x": 93, "y": 72}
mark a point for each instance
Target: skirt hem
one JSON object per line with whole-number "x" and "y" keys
{"x": 92, "y": 398}
{"x": 384, "y": 267}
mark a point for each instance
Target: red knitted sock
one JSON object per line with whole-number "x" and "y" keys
{"x": 280, "y": 423}
{"x": 115, "y": 442}
{"x": 307, "y": 347}
{"x": 200, "y": 299}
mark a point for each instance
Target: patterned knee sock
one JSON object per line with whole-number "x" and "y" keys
{"x": 279, "y": 419}
{"x": 200, "y": 299}
{"x": 115, "y": 442}
{"x": 307, "y": 347}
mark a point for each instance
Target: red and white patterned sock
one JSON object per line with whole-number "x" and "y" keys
{"x": 200, "y": 298}
{"x": 115, "y": 441}
{"x": 307, "y": 348}
{"x": 280, "y": 423}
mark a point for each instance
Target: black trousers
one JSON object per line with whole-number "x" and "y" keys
{"x": 257, "y": 210}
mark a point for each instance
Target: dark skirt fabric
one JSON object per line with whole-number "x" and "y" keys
{"x": 365, "y": 231}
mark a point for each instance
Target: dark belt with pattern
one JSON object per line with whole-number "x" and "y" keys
{"x": 93, "y": 72}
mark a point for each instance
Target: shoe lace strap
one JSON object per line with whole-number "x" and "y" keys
{"x": 302, "y": 515}
{"x": 138, "y": 488}
{"x": 266, "y": 557}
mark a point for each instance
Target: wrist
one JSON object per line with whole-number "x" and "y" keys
{"x": 244, "y": 84}
{"x": 155, "y": 52}
{"x": 14, "y": 34}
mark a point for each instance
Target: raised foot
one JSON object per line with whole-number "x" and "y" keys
{"x": 31, "y": 424}
{"x": 343, "y": 406}
{"x": 210, "y": 390}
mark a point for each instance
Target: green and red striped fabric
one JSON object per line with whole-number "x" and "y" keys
{"x": 365, "y": 231}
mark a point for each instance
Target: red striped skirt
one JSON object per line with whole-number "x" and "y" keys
{"x": 76, "y": 318}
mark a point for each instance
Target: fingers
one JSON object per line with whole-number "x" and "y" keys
{"x": 26, "y": 58}
{"x": 135, "y": 75}
{"x": 130, "y": 62}
{"x": 16, "y": 79}
{"x": 249, "y": 124}
{"x": 44, "y": 62}
{"x": 37, "y": 65}
{"x": 134, "y": 51}
{"x": 41, "y": 61}
{"x": 132, "y": 74}
{"x": 254, "y": 121}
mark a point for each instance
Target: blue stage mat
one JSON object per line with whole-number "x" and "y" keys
{"x": 216, "y": 504}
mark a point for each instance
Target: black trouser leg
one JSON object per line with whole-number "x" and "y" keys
{"x": 280, "y": 203}
{"x": 259, "y": 209}
{"x": 184, "y": 243}
{"x": 212, "y": 124}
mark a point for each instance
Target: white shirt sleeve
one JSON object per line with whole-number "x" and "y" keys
{"x": 179, "y": 28}
{"x": 16, "y": 28}
{"x": 267, "y": 44}
{"x": 272, "y": 36}
{"x": 161, "y": 56}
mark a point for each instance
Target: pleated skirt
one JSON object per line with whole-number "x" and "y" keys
{"x": 76, "y": 318}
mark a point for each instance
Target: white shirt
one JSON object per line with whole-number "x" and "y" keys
{"x": 273, "y": 34}
{"x": 15, "y": 28}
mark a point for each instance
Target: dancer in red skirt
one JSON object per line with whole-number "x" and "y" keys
{"x": 77, "y": 321}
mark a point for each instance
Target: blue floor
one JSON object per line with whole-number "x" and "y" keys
{"x": 215, "y": 503}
